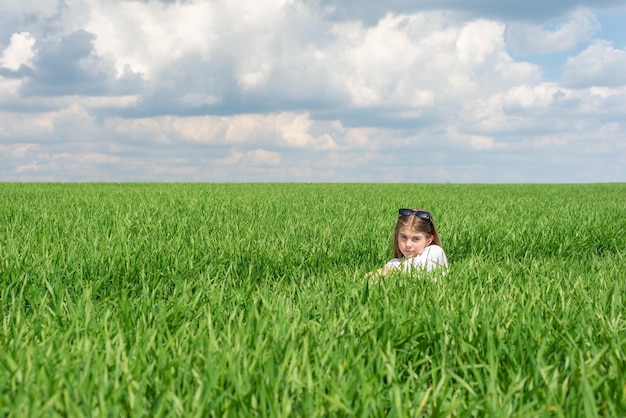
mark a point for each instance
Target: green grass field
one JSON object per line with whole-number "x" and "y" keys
{"x": 198, "y": 300}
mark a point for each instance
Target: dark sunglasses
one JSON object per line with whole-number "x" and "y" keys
{"x": 419, "y": 213}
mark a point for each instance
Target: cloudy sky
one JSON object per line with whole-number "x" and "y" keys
{"x": 313, "y": 90}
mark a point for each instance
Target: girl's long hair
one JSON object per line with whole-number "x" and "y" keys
{"x": 427, "y": 227}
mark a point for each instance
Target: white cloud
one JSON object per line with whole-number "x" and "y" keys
{"x": 141, "y": 37}
{"x": 20, "y": 151}
{"x": 532, "y": 97}
{"x": 244, "y": 32}
{"x": 17, "y": 126}
{"x": 381, "y": 62}
{"x": 288, "y": 130}
{"x": 599, "y": 65}
{"x": 87, "y": 158}
{"x": 216, "y": 90}
{"x": 45, "y": 8}
{"x": 284, "y": 54}
{"x": 371, "y": 11}
{"x": 32, "y": 167}
{"x": 402, "y": 61}
{"x": 546, "y": 117}
{"x": 527, "y": 38}
{"x": 263, "y": 157}
{"x": 19, "y": 52}
{"x": 479, "y": 41}
{"x": 198, "y": 99}
{"x": 477, "y": 142}
{"x": 10, "y": 95}
{"x": 421, "y": 60}
{"x": 9, "y": 91}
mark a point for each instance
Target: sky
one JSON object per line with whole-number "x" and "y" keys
{"x": 415, "y": 91}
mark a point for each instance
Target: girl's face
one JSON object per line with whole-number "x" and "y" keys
{"x": 412, "y": 243}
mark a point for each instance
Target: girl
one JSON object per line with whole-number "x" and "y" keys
{"x": 416, "y": 243}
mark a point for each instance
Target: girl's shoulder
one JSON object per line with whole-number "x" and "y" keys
{"x": 435, "y": 253}
{"x": 434, "y": 249}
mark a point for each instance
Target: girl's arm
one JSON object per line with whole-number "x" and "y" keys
{"x": 391, "y": 265}
{"x": 381, "y": 271}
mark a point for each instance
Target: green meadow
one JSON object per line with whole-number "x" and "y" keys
{"x": 196, "y": 300}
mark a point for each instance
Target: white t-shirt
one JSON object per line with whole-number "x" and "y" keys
{"x": 432, "y": 257}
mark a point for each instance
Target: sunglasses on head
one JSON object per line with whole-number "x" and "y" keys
{"x": 419, "y": 213}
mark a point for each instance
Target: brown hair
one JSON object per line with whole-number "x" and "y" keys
{"x": 417, "y": 224}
